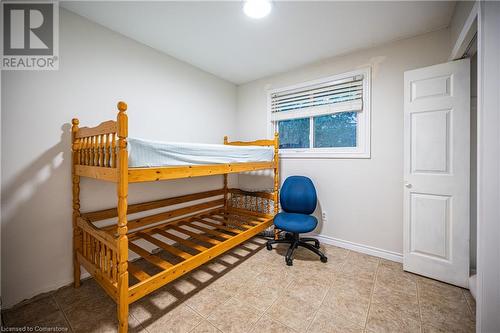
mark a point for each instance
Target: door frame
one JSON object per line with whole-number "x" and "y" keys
{"x": 487, "y": 15}
{"x": 488, "y": 167}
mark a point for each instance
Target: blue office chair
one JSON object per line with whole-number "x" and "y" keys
{"x": 298, "y": 200}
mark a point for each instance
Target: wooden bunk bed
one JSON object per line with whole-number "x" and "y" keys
{"x": 217, "y": 220}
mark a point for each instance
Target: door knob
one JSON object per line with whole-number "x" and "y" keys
{"x": 407, "y": 185}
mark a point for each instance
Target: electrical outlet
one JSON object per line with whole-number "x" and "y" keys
{"x": 323, "y": 216}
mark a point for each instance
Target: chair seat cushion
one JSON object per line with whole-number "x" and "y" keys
{"x": 293, "y": 222}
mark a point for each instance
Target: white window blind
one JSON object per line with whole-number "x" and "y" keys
{"x": 345, "y": 95}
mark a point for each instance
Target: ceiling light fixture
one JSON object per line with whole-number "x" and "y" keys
{"x": 257, "y": 8}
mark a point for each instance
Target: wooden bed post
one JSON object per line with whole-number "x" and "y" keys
{"x": 225, "y": 183}
{"x": 77, "y": 233}
{"x": 276, "y": 178}
{"x": 122, "y": 241}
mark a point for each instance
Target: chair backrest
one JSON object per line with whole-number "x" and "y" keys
{"x": 298, "y": 195}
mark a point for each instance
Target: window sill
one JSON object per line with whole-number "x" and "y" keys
{"x": 322, "y": 154}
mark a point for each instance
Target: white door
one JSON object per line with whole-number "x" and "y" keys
{"x": 436, "y": 171}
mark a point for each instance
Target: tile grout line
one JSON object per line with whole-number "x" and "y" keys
{"x": 273, "y": 302}
{"x": 277, "y": 298}
{"x": 419, "y": 308}
{"x": 371, "y": 295}
{"x": 209, "y": 313}
{"x": 195, "y": 311}
{"x": 329, "y": 288}
{"x": 63, "y": 313}
{"x": 319, "y": 307}
{"x": 223, "y": 303}
{"x": 138, "y": 321}
{"x": 201, "y": 322}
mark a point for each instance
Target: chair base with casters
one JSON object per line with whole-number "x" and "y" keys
{"x": 295, "y": 241}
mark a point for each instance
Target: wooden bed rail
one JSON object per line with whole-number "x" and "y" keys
{"x": 265, "y": 143}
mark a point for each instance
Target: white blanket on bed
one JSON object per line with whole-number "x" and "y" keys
{"x": 146, "y": 153}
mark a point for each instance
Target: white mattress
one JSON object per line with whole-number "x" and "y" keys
{"x": 146, "y": 153}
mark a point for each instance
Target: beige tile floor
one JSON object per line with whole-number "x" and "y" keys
{"x": 252, "y": 290}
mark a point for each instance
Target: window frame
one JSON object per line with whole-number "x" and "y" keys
{"x": 363, "y": 130}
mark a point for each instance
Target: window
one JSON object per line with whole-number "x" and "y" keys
{"x": 329, "y": 117}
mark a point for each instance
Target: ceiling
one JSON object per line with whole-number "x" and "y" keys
{"x": 218, "y": 38}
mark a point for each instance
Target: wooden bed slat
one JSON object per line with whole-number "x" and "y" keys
{"x": 147, "y": 220}
{"x": 155, "y": 260}
{"x": 169, "y": 223}
{"x": 228, "y": 220}
{"x": 196, "y": 235}
{"x": 206, "y": 230}
{"x": 241, "y": 214}
{"x": 137, "y": 272}
{"x": 215, "y": 217}
{"x": 253, "y": 220}
{"x": 165, "y": 246}
{"x": 180, "y": 240}
{"x": 220, "y": 226}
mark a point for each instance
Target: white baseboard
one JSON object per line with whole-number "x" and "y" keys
{"x": 373, "y": 251}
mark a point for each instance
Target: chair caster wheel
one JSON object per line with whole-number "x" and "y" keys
{"x": 289, "y": 262}
{"x": 323, "y": 259}
{"x": 269, "y": 247}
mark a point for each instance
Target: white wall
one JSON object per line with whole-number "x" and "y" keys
{"x": 363, "y": 198}
{"x": 168, "y": 100}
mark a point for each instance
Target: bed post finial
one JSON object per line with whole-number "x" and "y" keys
{"x": 225, "y": 139}
{"x": 122, "y": 106}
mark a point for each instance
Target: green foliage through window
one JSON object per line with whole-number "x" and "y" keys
{"x": 294, "y": 133}
{"x": 335, "y": 130}
{"x": 329, "y": 131}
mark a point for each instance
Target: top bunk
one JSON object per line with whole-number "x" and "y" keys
{"x": 106, "y": 152}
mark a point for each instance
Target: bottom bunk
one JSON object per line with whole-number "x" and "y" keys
{"x": 173, "y": 242}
